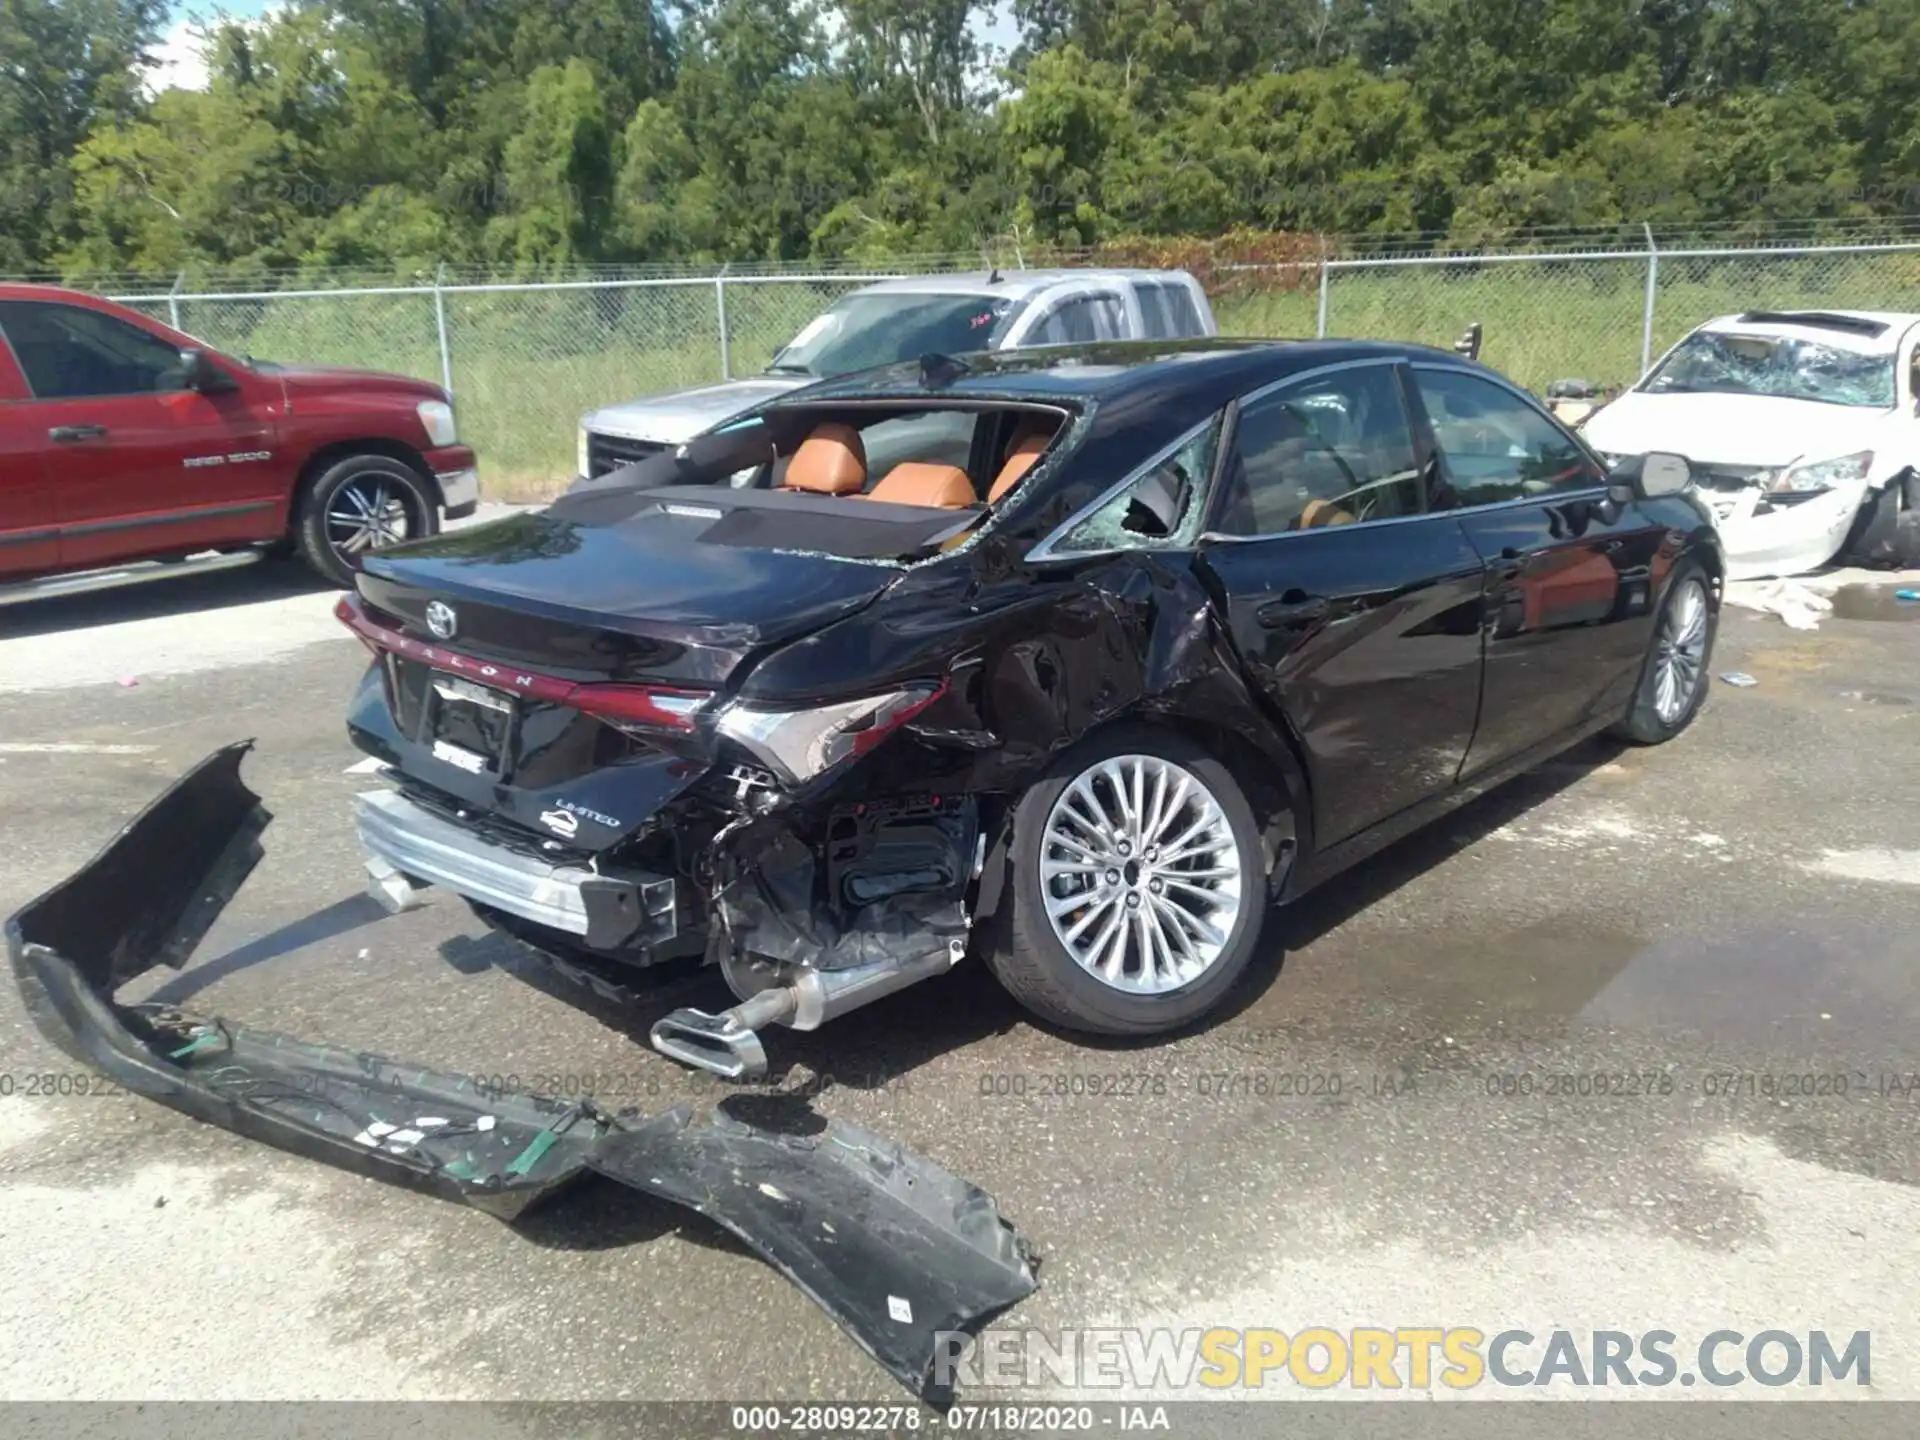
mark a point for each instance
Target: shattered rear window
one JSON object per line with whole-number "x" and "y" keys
{"x": 1780, "y": 366}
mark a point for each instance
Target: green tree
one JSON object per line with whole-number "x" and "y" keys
{"x": 66, "y": 66}
{"x": 1071, "y": 117}
{"x": 199, "y": 181}
{"x": 534, "y": 133}
{"x": 557, "y": 171}
{"x": 924, "y": 48}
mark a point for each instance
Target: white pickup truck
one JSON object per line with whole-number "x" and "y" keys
{"x": 898, "y": 320}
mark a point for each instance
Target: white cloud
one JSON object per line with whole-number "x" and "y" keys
{"x": 178, "y": 61}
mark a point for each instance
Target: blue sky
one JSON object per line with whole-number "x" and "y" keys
{"x": 179, "y": 63}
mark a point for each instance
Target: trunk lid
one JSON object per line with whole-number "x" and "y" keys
{"x": 644, "y": 599}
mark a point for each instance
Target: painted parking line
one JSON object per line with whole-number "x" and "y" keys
{"x": 64, "y": 748}
{"x": 1889, "y": 867}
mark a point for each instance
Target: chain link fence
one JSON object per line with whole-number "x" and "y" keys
{"x": 527, "y": 359}
{"x": 1602, "y": 316}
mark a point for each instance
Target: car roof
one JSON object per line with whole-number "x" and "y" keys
{"x": 1012, "y": 284}
{"x": 1871, "y": 331}
{"x": 1206, "y": 372}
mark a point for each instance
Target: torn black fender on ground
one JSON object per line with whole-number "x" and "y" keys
{"x": 889, "y": 1244}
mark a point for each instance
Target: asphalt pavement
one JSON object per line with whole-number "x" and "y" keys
{"x": 1627, "y": 1045}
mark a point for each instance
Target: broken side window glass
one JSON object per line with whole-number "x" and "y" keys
{"x": 1157, "y": 508}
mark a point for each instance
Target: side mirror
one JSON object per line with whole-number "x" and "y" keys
{"x": 203, "y": 375}
{"x": 1648, "y": 477}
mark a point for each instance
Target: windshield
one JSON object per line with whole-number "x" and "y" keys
{"x": 1789, "y": 368}
{"x": 867, "y": 330}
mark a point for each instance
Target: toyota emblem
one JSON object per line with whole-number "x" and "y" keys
{"x": 441, "y": 620}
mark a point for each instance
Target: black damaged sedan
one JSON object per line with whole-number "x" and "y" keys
{"x": 1073, "y": 660}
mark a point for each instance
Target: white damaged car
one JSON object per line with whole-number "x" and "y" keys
{"x": 1802, "y": 430}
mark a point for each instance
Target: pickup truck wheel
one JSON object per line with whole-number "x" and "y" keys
{"x": 358, "y": 505}
{"x": 1137, "y": 887}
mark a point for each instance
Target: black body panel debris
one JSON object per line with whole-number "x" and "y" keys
{"x": 894, "y": 1248}
{"x": 871, "y": 1231}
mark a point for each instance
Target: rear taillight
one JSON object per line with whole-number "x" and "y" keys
{"x": 654, "y": 707}
{"x": 349, "y": 614}
{"x": 801, "y": 745}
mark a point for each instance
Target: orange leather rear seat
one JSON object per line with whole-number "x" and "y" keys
{"x": 1024, "y": 455}
{"x": 832, "y": 460}
{"x": 943, "y": 487}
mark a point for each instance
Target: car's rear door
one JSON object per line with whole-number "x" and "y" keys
{"x": 1571, "y": 577}
{"x": 1354, "y": 608}
{"x": 135, "y": 463}
{"x": 27, "y": 540}
{"x": 1169, "y": 309}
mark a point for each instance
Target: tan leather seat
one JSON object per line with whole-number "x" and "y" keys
{"x": 941, "y": 487}
{"x": 832, "y": 460}
{"x": 1323, "y": 512}
{"x": 1024, "y": 455}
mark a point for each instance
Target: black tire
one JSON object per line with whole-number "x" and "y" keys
{"x": 1906, "y": 539}
{"x": 1887, "y": 532}
{"x": 367, "y": 475}
{"x": 1030, "y": 959}
{"x": 1903, "y": 548}
{"x": 1644, "y": 724}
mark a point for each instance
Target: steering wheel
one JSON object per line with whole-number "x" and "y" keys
{"x": 1313, "y": 436}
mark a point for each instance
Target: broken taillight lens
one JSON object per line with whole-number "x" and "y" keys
{"x": 800, "y": 745}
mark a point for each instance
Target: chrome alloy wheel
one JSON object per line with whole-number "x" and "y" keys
{"x": 1680, "y": 652}
{"x": 1140, "y": 874}
{"x": 369, "y": 512}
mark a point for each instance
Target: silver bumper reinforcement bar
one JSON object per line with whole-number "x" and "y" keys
{"x": 408, "y": 846}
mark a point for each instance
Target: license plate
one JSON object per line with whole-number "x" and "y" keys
{"x": 473, "y": 764}
{"x": 471, "y": 725}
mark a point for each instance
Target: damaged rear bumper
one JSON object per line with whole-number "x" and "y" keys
{"x": 408, "y": 845}
{"x": 899, "y": 1252}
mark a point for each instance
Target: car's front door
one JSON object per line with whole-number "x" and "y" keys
{"x": 1354, "y": 609}
{"x": 1571, "y": 577}
{"x": 136, "y": 463}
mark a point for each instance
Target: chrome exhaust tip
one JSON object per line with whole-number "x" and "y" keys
{"x": 726, "y": 1044}
{"x": 718, "y": 1044}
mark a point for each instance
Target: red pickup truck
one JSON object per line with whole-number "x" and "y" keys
{"x": 122, "y": 439}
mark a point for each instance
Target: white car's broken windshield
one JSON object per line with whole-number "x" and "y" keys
{"x": 863, "y": 331}
{"x": 1781, "y": 366}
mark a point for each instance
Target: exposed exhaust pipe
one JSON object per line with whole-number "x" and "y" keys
{"x": 728, "y": 1044}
